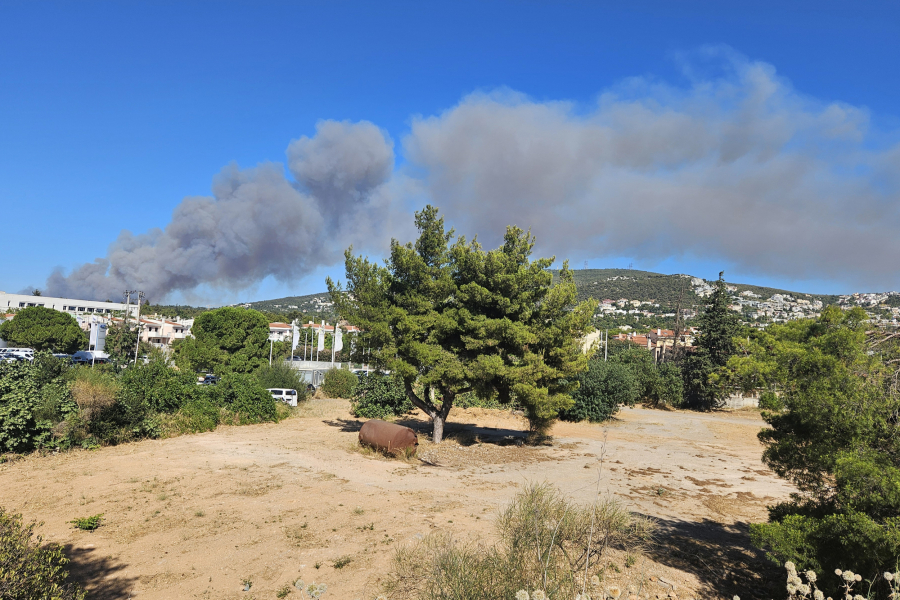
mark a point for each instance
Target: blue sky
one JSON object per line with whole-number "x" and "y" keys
{"x": 112, "y": 113}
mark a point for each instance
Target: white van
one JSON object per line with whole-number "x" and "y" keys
{"x": 289, "y": 397}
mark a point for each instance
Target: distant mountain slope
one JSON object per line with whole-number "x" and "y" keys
{"x": 318, "y": 305}
{"x": 613, "y": 284}
{"x": 602, "y": 284}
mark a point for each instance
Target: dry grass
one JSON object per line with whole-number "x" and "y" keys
{"x": 544, "y": 542}
{"x": 93, "y": 393}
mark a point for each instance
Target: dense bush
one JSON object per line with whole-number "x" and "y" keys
{"x": 658, "y": 383}
{"x": 770, "y": 401}
{"x": 282, "y": 375}
{"x": 603, "y": 387}
{"x": 30, "y": 570}
{"x": 339, "y": 383}
{"x": 243, "y": 395}
{"x": 379, "y": 396}
{"x": 471, "y": 400}
{"x": 20, "y": 404}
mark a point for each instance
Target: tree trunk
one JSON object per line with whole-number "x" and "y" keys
{"x": 438, "y": 423}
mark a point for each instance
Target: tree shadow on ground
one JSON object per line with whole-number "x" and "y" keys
{"x": 720, "y": 555}
{"x": 463, "y": 434}
{"x": 101, "y": 576}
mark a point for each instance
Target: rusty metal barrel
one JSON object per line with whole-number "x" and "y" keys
{"x": 388, "y": 436}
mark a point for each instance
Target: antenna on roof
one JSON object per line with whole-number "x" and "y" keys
{"x": 585, "y": 265}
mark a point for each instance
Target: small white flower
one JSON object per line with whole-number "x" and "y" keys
{"x": 595, "y": 581}
{"x": 810, "y": 576}
{"x": 790, "y": 566}
{"x": 614, "y": 592}
{"x": 837, "y": 572}
{"x": 858, "y": 577}
{"x": 736, "y": 598}
{"x": 792, "y": 589}
{"x": 859, "y": 597}
{"x": 889, "y": 576}
{"x": 804, "y": 589}
{"x": 818, "y": 595}
{"x": 522, "y": 595}
{"x": 793, "y": 579}
{"x": 848, "y": 576}
{"x": 538, "y": 595}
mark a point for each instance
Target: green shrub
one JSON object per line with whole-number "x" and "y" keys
{"x": 88, "y": 523}
{"x": 20, "y": 430}
{"x": 379, "y": 396}
{"x": 603, "y": 387}
{"x": 871, "y": 546}
{"x": 243, "y": 395}
{"x": 339, "y": 383}
{"x": 282, "y": 375}
{"x": 29, "y": 570}
{"x": 770, "y": 401}
{"x": 471, "y": 400}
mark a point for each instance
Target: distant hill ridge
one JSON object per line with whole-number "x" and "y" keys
{"x": 601, "y": 284}
{"x": 613, "y": 284}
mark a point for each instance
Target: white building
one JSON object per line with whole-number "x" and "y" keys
{"x": 9, "y": 302}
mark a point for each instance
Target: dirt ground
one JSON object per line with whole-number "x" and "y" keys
{"x": 198, "y": 516}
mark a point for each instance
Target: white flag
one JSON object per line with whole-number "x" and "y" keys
{"x": 321, "y": 345}
{"x": 296, "y": 336}
{"x": 338, "y": 339}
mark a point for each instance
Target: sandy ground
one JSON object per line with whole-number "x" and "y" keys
{"x": 197, "y": 516}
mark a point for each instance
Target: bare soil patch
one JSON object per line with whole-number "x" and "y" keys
{"x": 195, "y": 516}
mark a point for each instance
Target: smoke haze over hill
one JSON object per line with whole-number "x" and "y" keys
{"x": 737, "y": 167}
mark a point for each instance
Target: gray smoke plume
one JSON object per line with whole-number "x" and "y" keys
{"x": 256, "y": 223}
{"x": 740, "y": 168}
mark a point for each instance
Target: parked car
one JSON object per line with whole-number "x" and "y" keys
{"x": 287, "y": 396}
{"x": 208, "y": 379}
{"x": 16, "y": 354}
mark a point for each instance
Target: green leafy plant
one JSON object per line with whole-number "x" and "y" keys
{"x": 339, "y": 383}
{"x": 342, "y": 562}
{"x": 379, "y": 396}
{"x": 770, "y": 401}
{"x": 602, "y": 388}
{"x": 88, "y": 523}
{"x": 30, "y": 569}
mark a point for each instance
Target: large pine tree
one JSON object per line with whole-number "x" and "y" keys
{"x": 453, "y": 319}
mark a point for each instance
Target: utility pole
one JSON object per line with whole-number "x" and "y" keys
{"x": 605, "y": 345}
{"x": 271, "y": 345}
{"x": 127, "y": 295}
{"x": 137, "y": 344}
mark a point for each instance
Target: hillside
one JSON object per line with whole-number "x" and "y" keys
{"x": 613, "y": 284}
{"x": 316, "y": 306}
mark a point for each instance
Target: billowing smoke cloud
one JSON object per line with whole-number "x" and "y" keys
{"x": 740, "y": 168}
{"x": 257, "y": 223}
